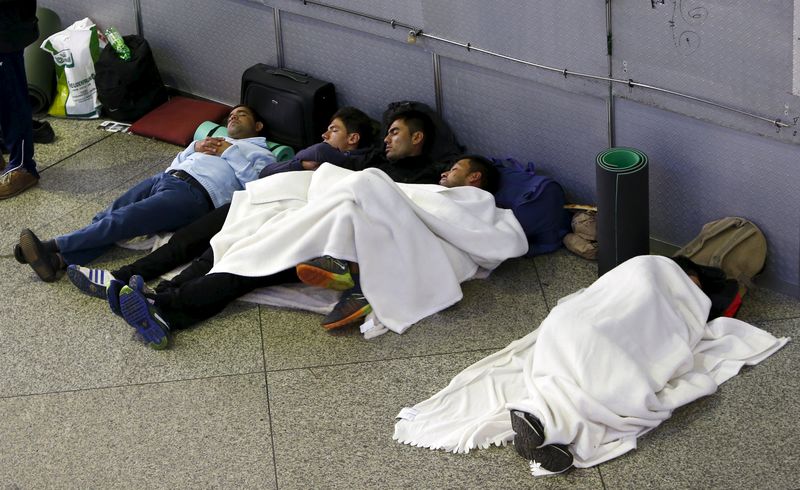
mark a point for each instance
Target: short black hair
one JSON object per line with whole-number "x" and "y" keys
{"x": 417, "y": 121}
{"x": 490, "y": 176}
{"x": 356, "y": 121}
{"x": 256, "y": 117}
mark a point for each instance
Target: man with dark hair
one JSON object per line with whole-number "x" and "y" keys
{"x": 332, "y": 273}
{"x": 407, "y": 142}
{"x": 474, "y": 170}
{"x": 348, "y": 141}
{"x": 196, "y": 294}
{"x": 19, "y": 27}
{"x": 201, "y": 178}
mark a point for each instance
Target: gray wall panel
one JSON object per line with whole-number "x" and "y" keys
{"x": 550, "y": 32}
{"x": 733, "y": 52}
{"x": 205, "y": 49}
{"x": 404, "y": 12}
{"x": 368, "y": 71}
{"x": 104, "y": 13}
{"x": 500, "y": 116}
{"x": 407, "y": 11}
{"x": 700, "y": 172}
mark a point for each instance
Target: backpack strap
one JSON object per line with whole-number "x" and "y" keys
{"x": 712, "y": 230}
{"x": 736, "y": 238}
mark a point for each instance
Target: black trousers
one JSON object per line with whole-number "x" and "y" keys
{"x": 194, "y": 295}
{"x": 185, "y": 245}
{"x": 15, "y": 112}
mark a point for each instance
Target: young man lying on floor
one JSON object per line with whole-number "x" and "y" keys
{"x": 346, "y": 143}
{"x": 201, "y": 178}
{"x": 608, "y": 364}
{"x": 415, "y": 245}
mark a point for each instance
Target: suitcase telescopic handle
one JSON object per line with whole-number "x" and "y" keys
{"x": 293, "y": 75}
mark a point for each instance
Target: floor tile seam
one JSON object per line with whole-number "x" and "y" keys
{"x": 97, "y": 199}
{"x": 266, "y": 388}
{"x": 128, "y": 385}
{"x": 541, "y": 286}
{"x": 374, "y": 361}
{"x": 76, "y": 152}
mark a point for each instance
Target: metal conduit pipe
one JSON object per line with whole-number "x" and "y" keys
{"x": 417, "y": 32}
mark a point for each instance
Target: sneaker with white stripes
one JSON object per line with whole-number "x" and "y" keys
{"x": 93, "y": 282}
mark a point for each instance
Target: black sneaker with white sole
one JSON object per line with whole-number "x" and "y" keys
{"x": 548, "y": 460}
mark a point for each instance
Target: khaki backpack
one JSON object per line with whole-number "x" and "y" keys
{"x": 732, "y": 244}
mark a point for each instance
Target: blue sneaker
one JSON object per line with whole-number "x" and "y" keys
{"x": 112, "y": 295}
{"x": 93, "y": 282}
{"x": 144, "y": 316}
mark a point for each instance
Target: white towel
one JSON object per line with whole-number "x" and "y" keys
{"x": 414, "y": 244}
{"x": 608, "y": 364}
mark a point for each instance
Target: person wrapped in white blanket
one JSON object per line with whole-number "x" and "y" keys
{"x": 608, "y": 364}
{"x": 285, "y": 219}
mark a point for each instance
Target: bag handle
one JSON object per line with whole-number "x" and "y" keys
{"x": 292, "y": 75}
{"x": 710, "y": 232}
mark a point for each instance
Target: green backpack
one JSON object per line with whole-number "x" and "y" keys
{"x": 732, "y": 244}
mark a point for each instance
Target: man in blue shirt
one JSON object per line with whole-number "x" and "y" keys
{"x": 201, "y": 178}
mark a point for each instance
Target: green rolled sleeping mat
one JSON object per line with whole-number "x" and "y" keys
{"x": 39, "y": 65}
{"x": 212, "y": 129}
{"x": 623, "y": 206}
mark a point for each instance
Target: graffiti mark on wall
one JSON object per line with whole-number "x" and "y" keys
{"x": 685, "y": 15}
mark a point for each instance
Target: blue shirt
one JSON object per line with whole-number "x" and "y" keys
{"x": 225, "y": 174}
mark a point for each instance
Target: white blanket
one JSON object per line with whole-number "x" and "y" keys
{"x": 608, "y": 364}
{"x": 414, "y": 244}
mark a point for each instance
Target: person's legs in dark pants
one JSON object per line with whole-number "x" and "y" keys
{"x": 15, "y": 112}
{"x": 193, "y": 301}
{"x": 190, "y": 298}
{"x": 186, "y": 244}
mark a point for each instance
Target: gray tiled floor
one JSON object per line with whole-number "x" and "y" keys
{"x": 264, "y": 398}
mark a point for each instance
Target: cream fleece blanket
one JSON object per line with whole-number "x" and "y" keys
{"x": 608, "y": 364}
{"x": 414, "y": 244}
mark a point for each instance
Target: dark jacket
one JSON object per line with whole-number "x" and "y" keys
{"x": 19, "y": 26}
{"x": 411, "y": 170}
{"x": 320, "y": 152}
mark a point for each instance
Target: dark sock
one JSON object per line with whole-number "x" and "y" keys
{"x": 356, "y": 282}
{"x": 50, "y": 246}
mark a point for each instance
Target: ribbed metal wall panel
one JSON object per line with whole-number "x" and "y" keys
{"x": 204, "y": 49}
{"x": 368, "y": 71}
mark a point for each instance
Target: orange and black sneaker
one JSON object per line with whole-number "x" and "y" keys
{"x": 350, "y": 308}
{"x": 326, "y": 272}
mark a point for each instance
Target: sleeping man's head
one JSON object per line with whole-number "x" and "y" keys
{"x": 472, "y": 170}
{"x": 410, "y": 134}
{"x": 349, "y": 129}
{"x": 244, "y": 122}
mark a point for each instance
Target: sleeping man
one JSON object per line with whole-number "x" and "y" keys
{"x": 201, "y": 178}
{"x": 415, "y": 244}
{"x": 608, "y": 364}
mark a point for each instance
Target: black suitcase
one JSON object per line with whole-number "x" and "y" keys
{"x": 296, "y": 107}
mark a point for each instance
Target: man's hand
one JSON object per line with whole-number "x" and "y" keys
{"x": 310, "y": 165}
{"x": 211, "y": 146}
